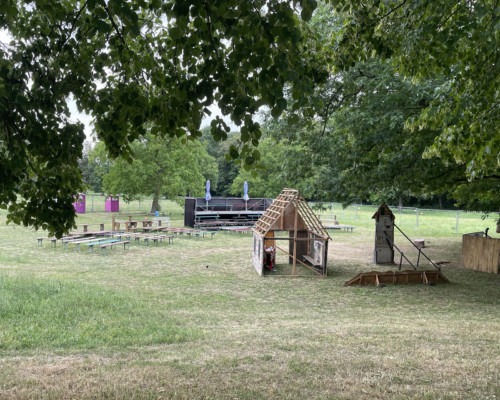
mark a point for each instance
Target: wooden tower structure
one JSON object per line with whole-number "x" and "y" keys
{"x": 384, "y": 235}
{"x": 308, "y": 239}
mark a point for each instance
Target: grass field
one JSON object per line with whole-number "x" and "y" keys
{"x": 194, "y": 320}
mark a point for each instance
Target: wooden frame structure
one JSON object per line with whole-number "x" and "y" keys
{"x": 397, "y": 277}
{"x": 384, "y": 235}
{"x": 308, "y": 239}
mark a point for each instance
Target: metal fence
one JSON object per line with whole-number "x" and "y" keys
{"x": 97, "y": 203}
{"x": 410, "y": 218}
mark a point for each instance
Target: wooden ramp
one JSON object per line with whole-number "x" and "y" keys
{"x": 397, "y": 277}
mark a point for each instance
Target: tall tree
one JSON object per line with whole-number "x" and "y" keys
{"x": 226, "y": 166}
{"x": 456, "y": 39}
{"x": 127, "y": 63}
{"x": 99, "y": 165}
{"x": 360, "y": 125}
{"x": 275, "y": 171}
{"x": 161, "y": 167}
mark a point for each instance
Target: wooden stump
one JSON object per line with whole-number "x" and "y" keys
{"x": 419, "y": 243}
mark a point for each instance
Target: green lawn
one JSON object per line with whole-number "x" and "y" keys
{"x": 194, "y": 320}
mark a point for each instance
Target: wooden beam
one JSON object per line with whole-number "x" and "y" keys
{"x": 299, "y": 239}
{"x": 304, "y": 264}
{"x": 295, "y": 236}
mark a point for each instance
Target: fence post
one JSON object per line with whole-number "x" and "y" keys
{"x": 456, "y": 224}
{"x": 92, "y": 203}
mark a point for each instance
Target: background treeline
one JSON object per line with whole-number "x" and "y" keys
{"x": 162, "y": 169}
{"x": 368, "y": 133}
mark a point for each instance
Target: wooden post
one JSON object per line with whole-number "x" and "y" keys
{"x": 295, "y": 237}
{"x": 113, "y": 223}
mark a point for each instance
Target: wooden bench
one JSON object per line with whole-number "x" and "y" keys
{"x": 53, "y": 240}
{"x": 78, "y": 241}
{"x": 339, "y": 227}
{"x": 159, "y": 238}
{"x": 144, "y": 236}
{"x": 114, "y": 243}
{"x": 123, "y": 235}
{"x": 85, "y": 240}
{"x": 203, "y": 233}
{"x": 71, "y": 238}
{"x": 99, "y": 233}
{"x": 312, "y": 261}
{"x": 99, "y": 242}
{"x": 86, "y": 226}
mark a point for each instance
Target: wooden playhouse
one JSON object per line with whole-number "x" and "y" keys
{"x": 307, "y": 238}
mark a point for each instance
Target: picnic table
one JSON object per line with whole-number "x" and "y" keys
{"x": 338, "y": 227}
{"x": 234, "y": 229}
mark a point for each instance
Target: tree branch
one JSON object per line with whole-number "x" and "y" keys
{"x": 392, "y": 10}
{"x": 115, "y": 27}
{"x": 73, "y": 24}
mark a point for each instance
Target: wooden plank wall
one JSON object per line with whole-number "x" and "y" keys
{"x": 258, "y": 254}
{"x": 481, "y": 253}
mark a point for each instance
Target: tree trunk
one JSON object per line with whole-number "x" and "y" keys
{"x": 400, "y": 203}
{"x": 440, "y": 198}
{"x": 156, "y": 200}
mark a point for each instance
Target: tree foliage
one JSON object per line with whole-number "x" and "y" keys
{"x": 456, "y": 39}
{"x": 360, "y": 128}
{"x": 167, "y": 167}
{"x": 133, "y": 64}
{"x": 275, "y": 171}
{"x": 226, "y": 166}
{"x": 127, "y": 63}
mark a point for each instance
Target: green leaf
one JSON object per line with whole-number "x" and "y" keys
{"x": 102, "y": 26}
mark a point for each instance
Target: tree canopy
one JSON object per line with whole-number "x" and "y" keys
{"x": 162, "y": 167}
{"x": 455, "y": 39}
{"x": 127, "y": 63}
{"x": 369, "y": 127}
{"x": 140, "y": 66}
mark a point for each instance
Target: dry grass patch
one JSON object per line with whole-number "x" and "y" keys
{"x": 269, "y": 338}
